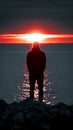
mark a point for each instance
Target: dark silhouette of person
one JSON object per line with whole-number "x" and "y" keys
{"x": 36, "y": 62}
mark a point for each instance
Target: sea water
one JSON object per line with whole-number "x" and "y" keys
{"x": 58, "y": 75}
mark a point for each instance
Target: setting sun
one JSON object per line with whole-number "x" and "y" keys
{"x": 33, "y": 37}
{"x": 38, "y": 37}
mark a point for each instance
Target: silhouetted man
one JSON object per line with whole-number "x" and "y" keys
{"x": 36, "y": 62}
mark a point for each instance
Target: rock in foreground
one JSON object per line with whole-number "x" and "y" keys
{"x": 30, "y": 115}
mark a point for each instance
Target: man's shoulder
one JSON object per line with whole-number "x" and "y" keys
{"x": 42, "y": 52}
{"x": 29, "y": 53}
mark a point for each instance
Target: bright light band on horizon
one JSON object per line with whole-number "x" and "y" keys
{"x": 34, "y": 36}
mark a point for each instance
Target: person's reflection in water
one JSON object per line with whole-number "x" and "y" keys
{"x": 36, "y": 63}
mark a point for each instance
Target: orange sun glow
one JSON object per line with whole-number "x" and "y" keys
{"x": 38, "y": 37}
{"x": 33, "y": 37}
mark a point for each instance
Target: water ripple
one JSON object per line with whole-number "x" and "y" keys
{"x": 50, "y": 95}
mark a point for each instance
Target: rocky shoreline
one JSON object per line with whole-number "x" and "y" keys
{"x": 29, "y": 115}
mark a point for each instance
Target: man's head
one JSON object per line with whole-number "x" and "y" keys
{"x": 36, "y": 45}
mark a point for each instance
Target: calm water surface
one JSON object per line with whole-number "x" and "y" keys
{"x": 58, "y": 81}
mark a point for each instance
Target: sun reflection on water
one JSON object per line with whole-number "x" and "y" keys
{"x": 49, "y": 90}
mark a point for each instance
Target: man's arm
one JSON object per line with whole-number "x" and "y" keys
{"x": 43, "y": 62}
{"x": 28, "y": 61}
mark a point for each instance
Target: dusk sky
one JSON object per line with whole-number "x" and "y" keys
{"x": 29, "y": 16}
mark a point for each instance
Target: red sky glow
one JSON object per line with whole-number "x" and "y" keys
{"x": 32, "y": 37}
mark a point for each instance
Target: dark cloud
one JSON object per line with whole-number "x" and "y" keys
{"x": 13, "y": 12}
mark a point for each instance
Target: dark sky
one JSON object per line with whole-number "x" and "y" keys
{"x": 50, "y": 16}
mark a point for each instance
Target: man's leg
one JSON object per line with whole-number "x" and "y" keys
{"x": 32, "y": 85}
{"x": 40, "y": 87}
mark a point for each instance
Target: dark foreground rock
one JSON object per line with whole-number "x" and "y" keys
{"x": 31, "y": 115}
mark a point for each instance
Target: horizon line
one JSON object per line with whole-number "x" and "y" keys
{"x": 45, "y": 38}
